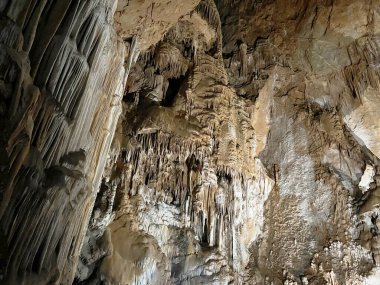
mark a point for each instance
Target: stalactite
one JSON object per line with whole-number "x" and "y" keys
{"x": 170, "y": 61}
{"x": 75, "y": 63}
{"x": 243, "y": 60}
{"x": 133, "y": 55}
{"x": 201, "y": 182}
{"x": 208, "y": 10}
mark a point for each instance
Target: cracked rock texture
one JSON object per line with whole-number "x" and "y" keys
{"x": 190, "y": 142}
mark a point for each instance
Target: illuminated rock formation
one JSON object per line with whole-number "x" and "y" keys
{"x": 189, "y": 142}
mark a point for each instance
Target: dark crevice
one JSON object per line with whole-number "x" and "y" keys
{"x": 205, "y": 234}
{"x": 172, "y": 91}
{"x": 213, "y": 51}
{"x": 37, "y": 259}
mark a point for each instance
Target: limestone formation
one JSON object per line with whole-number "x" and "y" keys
{"x": 190, "y": 142}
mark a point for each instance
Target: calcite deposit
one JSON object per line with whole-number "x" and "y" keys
{"x": 190, "y": 142}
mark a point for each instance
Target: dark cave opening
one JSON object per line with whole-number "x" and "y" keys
{"x": 173, "y": 89}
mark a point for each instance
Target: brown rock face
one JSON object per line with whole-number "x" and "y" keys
{"x": 189, "y": 142}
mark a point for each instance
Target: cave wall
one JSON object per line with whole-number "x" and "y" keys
{"x": 246, "y": 151}
{"x": 186, "y": 180}
{"x": 316, "y": 62}
{"x": 263, "y": 166}
{"x": 64, "y": 65}
{"x": 61, "y": 85}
